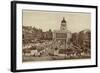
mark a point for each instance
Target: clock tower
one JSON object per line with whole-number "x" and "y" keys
{"x": 63, "y": 26}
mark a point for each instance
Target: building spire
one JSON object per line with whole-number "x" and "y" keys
{"x": 63, "y": 21}
{"x": 63, "y": 24}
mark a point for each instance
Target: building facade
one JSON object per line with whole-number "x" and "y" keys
{"x": 61, "y": 37}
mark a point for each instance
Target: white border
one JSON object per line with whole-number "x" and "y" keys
{"x": 49, "y": 64}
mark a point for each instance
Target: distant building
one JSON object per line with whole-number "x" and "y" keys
{"x": 47, "y": 35}
{"x": 85, "y": 38}
{"x": 75, "y": 38}
{"x": 30, "y": 34}
{"x": 61, "y": 37}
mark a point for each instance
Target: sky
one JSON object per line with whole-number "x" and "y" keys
{"x": 46, "y": 20}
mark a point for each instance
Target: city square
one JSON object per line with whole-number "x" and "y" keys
{"x": 55, "y": 45}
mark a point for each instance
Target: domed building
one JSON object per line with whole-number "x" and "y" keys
{"x": 61, "y": 38}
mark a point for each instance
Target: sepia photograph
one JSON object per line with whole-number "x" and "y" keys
{"x": 48, "y": 36}
{"x": 55, "y": 35}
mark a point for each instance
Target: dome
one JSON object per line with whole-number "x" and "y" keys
{"x": 63, "y": 21}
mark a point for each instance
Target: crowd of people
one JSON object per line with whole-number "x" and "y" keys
{"x": 47, "y": 48}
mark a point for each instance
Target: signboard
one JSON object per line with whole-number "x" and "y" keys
{"x": 61, "y": 35}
